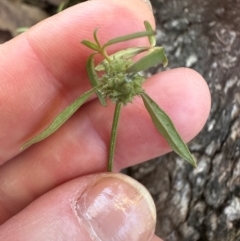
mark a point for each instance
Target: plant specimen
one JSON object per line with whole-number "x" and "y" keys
{"x": 118, "y": 77}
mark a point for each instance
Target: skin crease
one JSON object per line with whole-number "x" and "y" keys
{"x": 49, "y": 74}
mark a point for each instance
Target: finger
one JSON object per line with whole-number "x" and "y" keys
{"x": 95, "y": 207}
{"x": 43, "y": 70}
{"x": 155, "y": 238}
{"x": 81, "y": 145}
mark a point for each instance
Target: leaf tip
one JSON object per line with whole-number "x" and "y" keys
{"x": 165, "y": 62}
{"x": 195, "y": 164}
{"x": 90, "y": 45}
{"x": 24, "y": 146}
{"x": 193, "y": 161}
{"x": 152, "y": 39}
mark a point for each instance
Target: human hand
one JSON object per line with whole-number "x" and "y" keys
{"x": 54, "y": 187}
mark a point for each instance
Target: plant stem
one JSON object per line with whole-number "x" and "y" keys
{"x": 113, "y": 135}
{"x": 105, "y": 55}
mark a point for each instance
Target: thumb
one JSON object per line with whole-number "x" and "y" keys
{"x": 102, "y": 207}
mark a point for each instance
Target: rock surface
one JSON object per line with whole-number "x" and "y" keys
{"x": 201, "y": 204}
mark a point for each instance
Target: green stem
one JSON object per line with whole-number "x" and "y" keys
{"x": 105, "y": 55}
{"x": 113, "y": 136}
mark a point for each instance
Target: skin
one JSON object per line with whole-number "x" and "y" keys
{"x": 41, "y": 72}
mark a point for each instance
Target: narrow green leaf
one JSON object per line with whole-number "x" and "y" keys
{"x": 113, "y": 136}
{"x": 90, "y": 45}
{"x": 94, "y": 78}
{"x": 22, "y": 30}
{"x": 165, "y": 126}
{"x": 151, "y": 38}
{"x": 125, "y": 54}
{"x": 129, "y": 37}
{"x": 95, "y": 37}
{"x": 153, "y": 57}
{"x": 62, "y": 6}
{"x": 60, "y": 119}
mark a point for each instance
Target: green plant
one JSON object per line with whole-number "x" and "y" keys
{"x": 121, "y": 82}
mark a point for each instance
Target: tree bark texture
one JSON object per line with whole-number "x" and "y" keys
{"x": 201, "y": 204}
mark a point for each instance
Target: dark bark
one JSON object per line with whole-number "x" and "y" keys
{"x": 201, "y": 204}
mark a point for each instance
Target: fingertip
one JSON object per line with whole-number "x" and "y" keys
{"x": 106, "y": 206}
{"x": 155, "y": 238}
{"x": 110, "y": 207}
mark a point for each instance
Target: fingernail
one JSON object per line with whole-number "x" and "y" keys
{"x": 117, "y": 208}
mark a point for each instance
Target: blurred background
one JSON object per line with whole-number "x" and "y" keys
{"x": 192, "y": 205}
